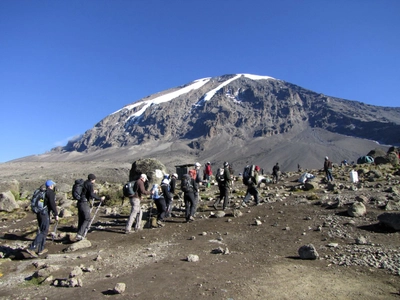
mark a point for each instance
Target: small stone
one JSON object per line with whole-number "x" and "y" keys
{"x": 192, "y": 258}
{"x": 120, "y": 288}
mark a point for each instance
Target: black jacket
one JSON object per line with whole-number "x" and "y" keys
{"x": 51, "y": 201}
{"x": 88, "y": 191}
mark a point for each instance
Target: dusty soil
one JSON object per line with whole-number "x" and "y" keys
{"x": 262, "y": 263}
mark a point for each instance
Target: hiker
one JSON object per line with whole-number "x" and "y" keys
{"x": 208, "y": 172}
{"x": 159, "y": 200}
{"x": 172, "y": 183}
{"x": 328, "y": 169}
{"x": 252, "y": 188}
{"x": 43, "y": 218}
{"x": 275, "y": 173}
{"x": 219, "y": 176}
{"x": 166, "y": 192}
{"x": 88, "y": 193}
{"x": 189, "y": 187}
{"x": 136, "y": 211}
{"x": 224, "y": 187}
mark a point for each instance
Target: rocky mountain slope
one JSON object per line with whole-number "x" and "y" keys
{"x": 239, "y": 117}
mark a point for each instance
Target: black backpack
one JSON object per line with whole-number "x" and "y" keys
{"x": 220, "y": 175}
{"x": 129, "y": 189}
{"x": 77, "y": 189}
{"x": 248, "y": 174}
{"x": 186, "y": 184}
{"x": 38, "y": 202}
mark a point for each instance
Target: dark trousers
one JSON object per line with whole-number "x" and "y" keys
{"x": 190, "y": 205}
{"x": 251, "y": 191}
{"x": 43, "y": 219}
{"x": 168, "y": 204}
{"x": 328, "y": 173}
{"x": 161, "y": 208}
{"x": 83, "y": 216}
{"x": 222, "y": 193}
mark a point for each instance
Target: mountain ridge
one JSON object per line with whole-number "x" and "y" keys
{"x": 218, "y": 114}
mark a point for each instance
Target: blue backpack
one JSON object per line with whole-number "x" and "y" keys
{"x": 38, "y": 202}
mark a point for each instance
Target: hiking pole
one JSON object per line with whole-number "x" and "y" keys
{"x": 91, "y": 221}
{"x": 54, "y": 233}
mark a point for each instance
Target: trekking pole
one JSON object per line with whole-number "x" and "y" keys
{"x": 91, "y": 221}
{"x": 54, "y": 233}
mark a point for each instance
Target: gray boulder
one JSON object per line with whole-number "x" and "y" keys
{"x": 7, "y": 202}
{"x": 308, "y": 252}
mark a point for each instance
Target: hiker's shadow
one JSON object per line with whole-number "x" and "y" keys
{"x": 377, "y": 228}
{"x": 14, "y": 237}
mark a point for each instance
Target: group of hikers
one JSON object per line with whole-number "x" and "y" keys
{"x": 162, "y": 194}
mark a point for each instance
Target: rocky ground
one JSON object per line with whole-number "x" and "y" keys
{"x": 245, "y": 253}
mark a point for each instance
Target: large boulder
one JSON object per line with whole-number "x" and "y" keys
{"x": 391, "y": 220}
{"x": 7, "y": 202}
{"x": 153, "y": 168}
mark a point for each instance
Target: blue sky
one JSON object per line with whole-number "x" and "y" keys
{"x": 65, "y": 65}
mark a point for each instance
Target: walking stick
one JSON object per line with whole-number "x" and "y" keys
{"x": 54, "y": 233}
{"x": 91, "y": 221}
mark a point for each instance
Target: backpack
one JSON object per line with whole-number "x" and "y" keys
{"x": 220, "y": 175}
{"x": 186, "y": 185}
{"x": 77, "y": 189}
{"x": 38, "y": 200}
{"x": 248, "y": 174}
{"x": 129, "y": 189}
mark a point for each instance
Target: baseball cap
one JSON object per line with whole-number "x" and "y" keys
{"x": 50, "y": 183}
{"x": 144, "y": 176}
{"x": 197, "y": 164}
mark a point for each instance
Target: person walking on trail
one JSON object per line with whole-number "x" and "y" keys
{"x": 189, "y": 187}
{"x": 159, "y": 200}
{"x": 219, "y": 176}
{"x": 166, "y": 192}
{"x": 328, "y": 169}
{"x": 225, "y": 187}
{"x": 208, "y": 173}
{"x": 172, "y": 191}
{"x": 88, "y": 193}
{"x": 275, "y": 173}
{"x": 43, "y": 218}
{"x": 136, "y": 211}
{"x": 252, "y": 188}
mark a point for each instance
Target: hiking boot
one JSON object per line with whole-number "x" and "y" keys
{"x": 128, "y": 232}
{"x": 31, "y": 252}
{"x": 79, "y": 237}
{"x": 191, "y": 218}
{"x": 43, "y": 252}
{"x": 160, "y": 223}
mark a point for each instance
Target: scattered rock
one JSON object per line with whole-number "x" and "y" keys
{"x": 308, "y": 252}
{"x": 192, "y": 258}
{"x": 120, "y": 288}
{"x": 357, "y": 209}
